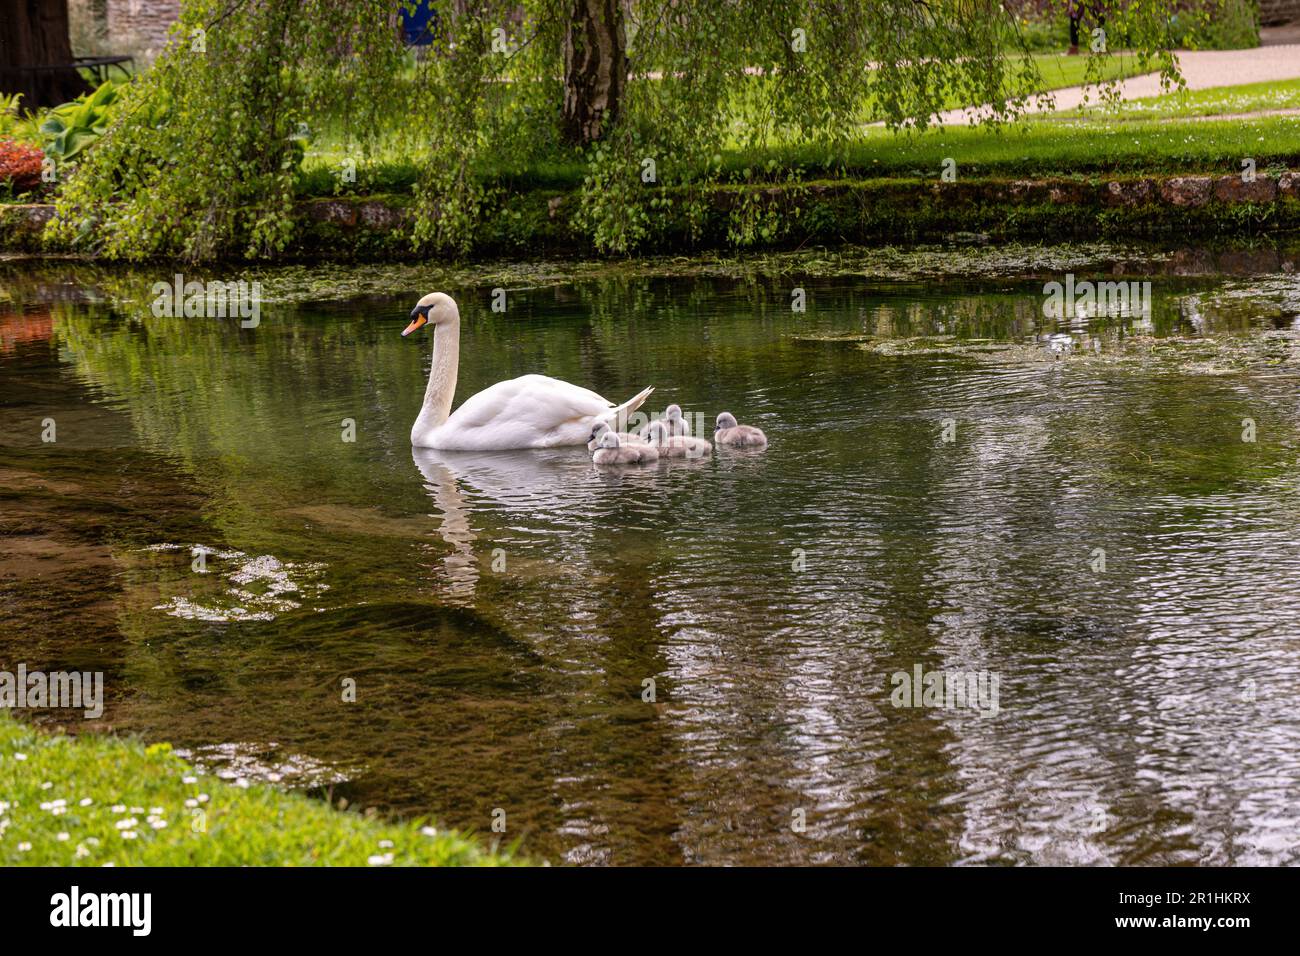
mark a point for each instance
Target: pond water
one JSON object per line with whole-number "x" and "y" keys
{"x": 1069, "y": 511}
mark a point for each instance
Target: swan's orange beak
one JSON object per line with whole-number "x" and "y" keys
{"x": 418, "y": 322}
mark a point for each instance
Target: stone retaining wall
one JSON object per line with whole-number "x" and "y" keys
{"x": 142, "y": 23}
{"x": 1274, "y": 12}
{"x": 827, "y": 213}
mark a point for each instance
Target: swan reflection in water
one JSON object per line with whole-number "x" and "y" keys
{"x": 552, "y": 487}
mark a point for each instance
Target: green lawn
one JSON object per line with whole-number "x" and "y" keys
{"x": 1046, "y": 147}
{"x": 1049, "y": 147}
{"x": 1220, "y": 100}
{"x": 97, "y": 800}
{"x": 1059, "y": 70}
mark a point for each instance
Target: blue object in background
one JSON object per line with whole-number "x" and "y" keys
{"x": 420, "y": 26}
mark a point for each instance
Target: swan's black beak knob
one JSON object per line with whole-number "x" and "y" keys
{"x": 419, "y": 317}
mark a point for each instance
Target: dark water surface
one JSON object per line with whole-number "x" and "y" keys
{"x": 500, "y": 613}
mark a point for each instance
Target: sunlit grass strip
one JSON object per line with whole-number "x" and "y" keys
{"x": 1054, "y": 148}
{"x": 1038, "y": 147}
{"x": 97, "y": 801}
{"x": 1216, "y": 101}
{"x": 1060, "y": 71}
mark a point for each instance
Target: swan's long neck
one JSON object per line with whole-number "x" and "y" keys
{"x": 442, "y": 377}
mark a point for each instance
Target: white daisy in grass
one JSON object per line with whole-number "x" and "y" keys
{"x": 189, "y": 779}
{"x": 24, "y": 847}
{"x": 385, "y": 844}
{"x": 191, "y": 803}
{"x": 82, "y": 852}
{"x": 429, "y": 831}
{"x": 119, "y": 808}
{"x": 129, "y": 834}
{"x": 47, "y": 785}
{"x": 61, "y": 837}
{"x": 85, "y": 802}
{"x": 380, "y": 859}
{"x": 20, "y": 756}
{"x": 126, "y": 824}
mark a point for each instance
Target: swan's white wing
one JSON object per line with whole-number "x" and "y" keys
{"x": 532, "y": 411}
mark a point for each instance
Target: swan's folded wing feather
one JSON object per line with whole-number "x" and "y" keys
{"x": 576, "y": 394}
{"x": 526, "y": 411}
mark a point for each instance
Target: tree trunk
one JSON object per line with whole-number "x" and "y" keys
{"x": 36, "y": 53}
{"x": 595, "y": 69}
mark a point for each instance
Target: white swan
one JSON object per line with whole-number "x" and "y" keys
{"x": 532, "y": 411}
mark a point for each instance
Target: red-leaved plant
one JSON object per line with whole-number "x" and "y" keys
{"x": 20, "y": 167}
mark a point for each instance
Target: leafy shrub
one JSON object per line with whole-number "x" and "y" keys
{"x": 1045, "y": 34}
{"x": 1217, "y": 25}
{"x": 9, "y": 113}
{"x": 1193, "y": 25}
{"x": 203, "y": 152}
{"x": 73, "y": 127}
{"x": 17, "y": 125}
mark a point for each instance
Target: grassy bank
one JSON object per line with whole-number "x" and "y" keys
{"x": 92, "y": 801}
{"x": 889, "y": 186}
{"x": 1066, "y": 176}
{"x": 1154, "y": 144}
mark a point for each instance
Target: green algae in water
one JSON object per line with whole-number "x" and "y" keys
{"x": 130, "y": 287}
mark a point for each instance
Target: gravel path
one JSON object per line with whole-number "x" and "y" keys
{"x": 1202, "y": 69}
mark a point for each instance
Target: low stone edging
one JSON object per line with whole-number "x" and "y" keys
{"x": 540, "y": 222}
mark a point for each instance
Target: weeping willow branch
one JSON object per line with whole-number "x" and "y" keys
{"x": 203, "y": 157}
